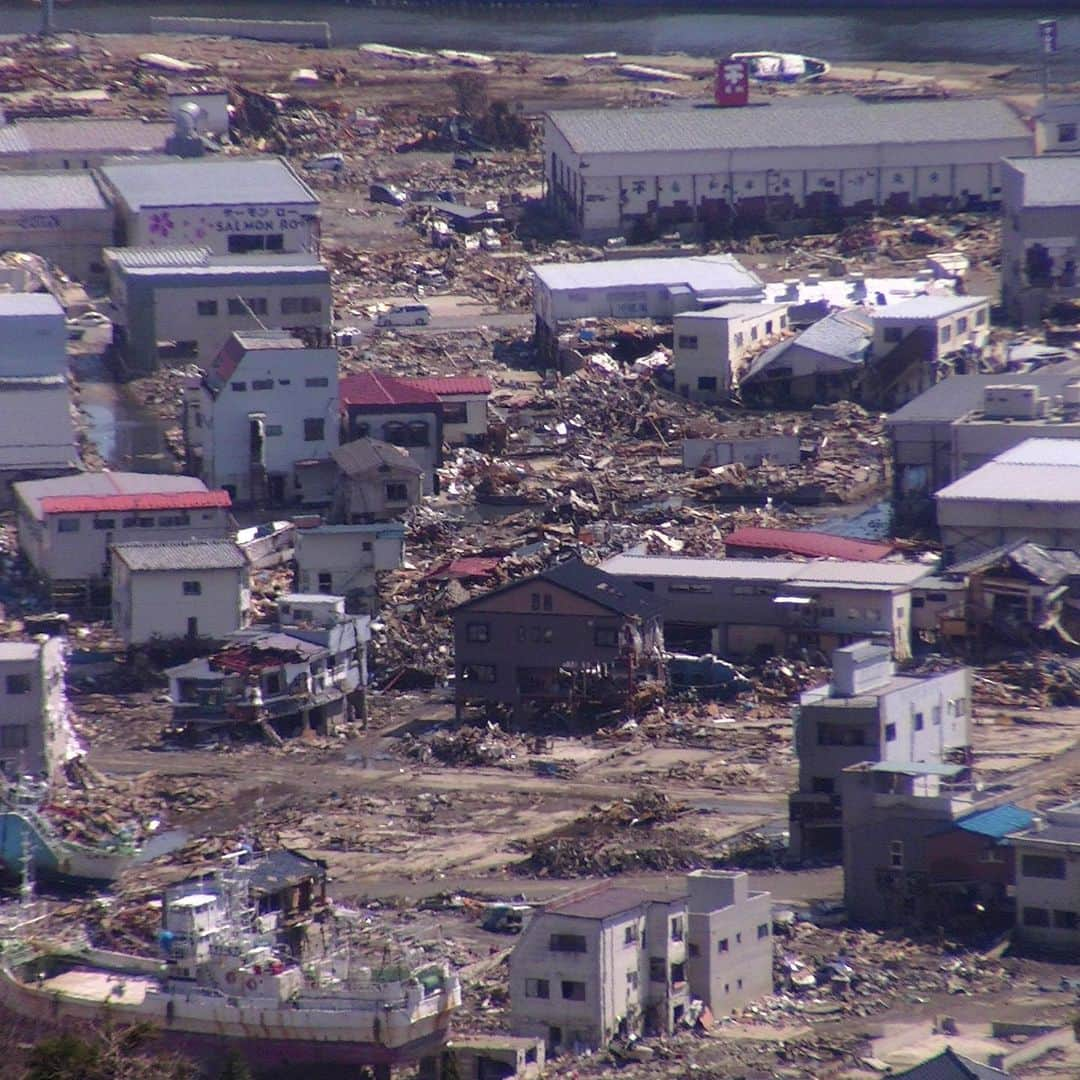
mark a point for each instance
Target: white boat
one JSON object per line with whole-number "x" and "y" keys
{"x": 783, "y": 67}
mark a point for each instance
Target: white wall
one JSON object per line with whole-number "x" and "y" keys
{"x": 211, "y": 226}
{"x": 33, "y": 344}
{"x": 951, "y": 332}
{"x": 475, "y": 425}
{"x": 351, "y": 558}
{"x": 34, "y": 729}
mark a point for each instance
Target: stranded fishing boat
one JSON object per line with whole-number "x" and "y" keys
{"x": 782, "y": 67}
{"x": 225, "y": 984}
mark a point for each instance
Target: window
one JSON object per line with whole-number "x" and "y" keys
{"x": 918, "y": 721}
{"x": 678, "y": 974}
{"x": 1066, "y": 133}
{"x": 537, "y": 988}
{"x": 573, "y": 991}
{"x": 1036, "y": 916}
{"x": 962, "y": 324}
{"x": 548, "y": 602}
{"x": 823, "y": 785}
{"x": 762, "y": 930}
{"x": 630, "y": 935}
{"x": 980, "y": 317}
{"x": 206, "y": 307}
{"x": 262, "y": 384}
{"x": 1066, "y": 920}
{"x": 567, "y": 943}
{"x": 326, "y": 581}
{"x": 238, "y": 386}
{"x": 688, "y": 341}
{"x": 768, "y": 326}
{"x": 739, "y": 340}
{"x": 896, "y": 854}
{"x": 478, "y": 632}
{"x": 534, "y": 602}
{"x": 935, "y": 715}
{"x": 632, "y": 980}
{"x": 706, "y": 382}
{"x": 14, "y": 736}
{"x": 677, "y": 928}
{"x": 240, "y": 244}
{"x": 657, "y": 969}
{"x": 692, "y": 949}
{"x": 193, "y": 588}
{"x": 753, "y": 333}
{"x": 273, "y": 431}
{"x": 397, "y": 492}
{"x": 890, "y": 733}
{"x": 284, "y": 382}
{"x": 314, "y": 429}
{"x": 68, "y": 525}
{"x": 696, "y": 590}
{"x": 893, "y": 334}
{"x": 17, "y": 684}
{"x": 145, "y": 522}
{"x": 174, "y": 520}
{"x": 300, "y": 305}
{"x": 946, "y": 334}
{"x": 248, "y": 305}
{"x": 540, "y": 635}
{"x": 455, "y": 412}
{"x": 317, "y": 380}
{"x": 479, "y": 673}
{"x": 605, "y": 637}
{"x": 738, "y": 939}
{"x": 722, "y": 945}
{"x": 1040, "y": 866}
{"x": 105, "y": 523}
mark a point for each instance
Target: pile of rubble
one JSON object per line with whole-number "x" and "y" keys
{"x": 487, "y": 745}
{"x": 1038, "y": 681}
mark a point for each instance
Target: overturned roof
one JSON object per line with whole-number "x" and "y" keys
{"x": 810, "y": 544}
{"x": 371, "y": 455}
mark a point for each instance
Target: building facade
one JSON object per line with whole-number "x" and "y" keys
{"x": 609, "y": 171}
{"x": 73, "y": 144}
{"x": 263, "y": 422}
{"x": 190, "y": 588}
{"x": 346, "y": 560}
{"x": 376, "y": 482}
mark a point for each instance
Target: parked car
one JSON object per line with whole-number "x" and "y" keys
{"x": 326, "y": 163}
{"x": 405, "y": 315}
{"x": 348, "y": 335}
{"x": 489, "y": 240}
{"x": 388, "y": 193}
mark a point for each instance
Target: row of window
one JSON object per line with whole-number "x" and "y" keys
{"x": 479, "y": 633}
{"x": 258, "y": 305}
{"x": 14, "y": 736}
{"x": 268, "y": 384}
{"x": 1060, "y": 920}
{"x": 108, "y": 524}
{"x": 17, "y": 684}
{"x": 398, "y": 432}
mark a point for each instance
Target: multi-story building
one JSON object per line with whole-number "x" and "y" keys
{"x": 187, "y": 588}
{"x": 1048, "y": 880}
{"x": 263, "y": 421}
{"x": 35, "y": 732}
{"x": 608, "y": 961}
{"x": 868, "y": 713}
{"x": 739, "y": 607}
{"x": 611, "y": 171}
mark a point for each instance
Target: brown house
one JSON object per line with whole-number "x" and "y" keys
{"x": 572, "y": 636}
{"x": 376, "y": 482}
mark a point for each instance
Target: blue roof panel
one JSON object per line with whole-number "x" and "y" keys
{"x": 998, "y": 822}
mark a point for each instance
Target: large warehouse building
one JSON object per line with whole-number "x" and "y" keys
{"x": 610, "y": 170}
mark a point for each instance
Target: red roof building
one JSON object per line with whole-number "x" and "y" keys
{"x": 177, "y": 500}
{"x": 376, "y": 390}
{"x": 754, "y": 540}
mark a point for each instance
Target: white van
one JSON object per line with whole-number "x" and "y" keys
{"x": 405, "y": 315}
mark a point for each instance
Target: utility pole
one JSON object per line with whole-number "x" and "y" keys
{"x": 1048, "y": 35}
{"x": 46, "y": 18}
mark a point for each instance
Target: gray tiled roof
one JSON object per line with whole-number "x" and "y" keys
{"x": 181, "y": 555}
{"x": 216, "y": 182}
{"x": 674, "y": 129}
{"x": 1049, "y": 181}
{"x": 94, "y": 136}
{"x": 958, "y": 395}
{"x": 75, "y": 190}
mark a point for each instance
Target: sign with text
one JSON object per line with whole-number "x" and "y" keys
{"x": 732, "y": 83}
{"x": 1048, "y": 35}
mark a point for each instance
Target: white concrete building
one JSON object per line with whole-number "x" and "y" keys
{"x": 183, "y": 303}
{"x": 78, "y": 143}
{"x": 607, "y": 961}
{"x": 1031, "y": 492}
{"x": 1057, "y": 127}
{"x": 210, "y": 97}
{"x": 174, "y": 589}
{"x": 345, "y": 560}
{"x": 61, "y": 216}
{"x": 608, "y": 171}
{"x": 713, "y": 348}
{"x": 67, "y": 525}
{"x": 33, "y": 337}
{"x": 35, "y": 731}
{"x": 234, "y": 206}
{"x": 264, "y": 419}
{"x": 1048, "y": 880}
{"x": 636, "y": 289}
{"x": 953, "y": 323}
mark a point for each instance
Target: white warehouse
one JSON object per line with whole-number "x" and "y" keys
{"x": 608, "y": 171}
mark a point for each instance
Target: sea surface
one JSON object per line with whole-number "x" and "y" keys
{"x": 940, "y": 33}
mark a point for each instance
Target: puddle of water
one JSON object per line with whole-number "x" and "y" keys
{"x": 873, "y": 523}
{"x": 125, "y": 436}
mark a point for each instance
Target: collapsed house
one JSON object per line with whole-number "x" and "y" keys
{"x": 307, "y": 673}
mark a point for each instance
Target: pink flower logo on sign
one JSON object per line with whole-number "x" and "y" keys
{"x": 161, "y": 224}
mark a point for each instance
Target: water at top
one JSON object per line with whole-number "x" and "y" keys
{"x": 937, "y": 34}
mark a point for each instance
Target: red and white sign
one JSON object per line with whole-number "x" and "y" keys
{"x": 732, "y": 83}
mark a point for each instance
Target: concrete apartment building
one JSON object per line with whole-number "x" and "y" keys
{"x": 71, "y": 144}
{"x": 743, "y": 607}
{"x": 1048, "y": 880}
{"x": 263, "y": 421}
{"x": 346, "y": 560}
{"x": 609, "y": 961}
{"x": 183, "y": 589}
{"x": 37, "y": 435}
{"x": 67, "y": 525}
{"x": 234, "y": 206}
{"x": 608, "y": 171}
{"x": 183, "y": 303}
{"x": 930, "y": 436}
{"x": 712, "y": 347}
{"x": 868, "y": 713}
{"x": 61, "y": 216}
{"x": 1031, "y": 492}
{"x": 655, "y": 288}
{"x": 35, "y": 732}
{"x": 1040, "y": 236}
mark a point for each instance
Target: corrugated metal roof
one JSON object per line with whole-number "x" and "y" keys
{"x": 736, "y": 310}
{"x": 954, "y": 397}
{"x": 702, "y": 273}
{"x": 27, "y": 303}
{"x": 997, "y": 822}
{"x": 217, "y": 182}
{"x": 599, "y": 904}
{"x": 675, "y": 129}
{"x": 1042, "y": 452}
{"x": 374, "y": 388}
{"x": 181, "y": 555}
{"x": 916, "y": 768}
{"x": 929, "y": 307}
{"x": 449, "y": 385}
{"x": 1049, "y": 180}
{"x": 1038, "y": 470}
{"x": 75, "y": 190}
{"x": 31, "y": 492}
{"x": 173, "y": 257}
{"x": 812, "y": 544}
{"x": 93, "y": 136}
{"x": 179, "y": 500}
